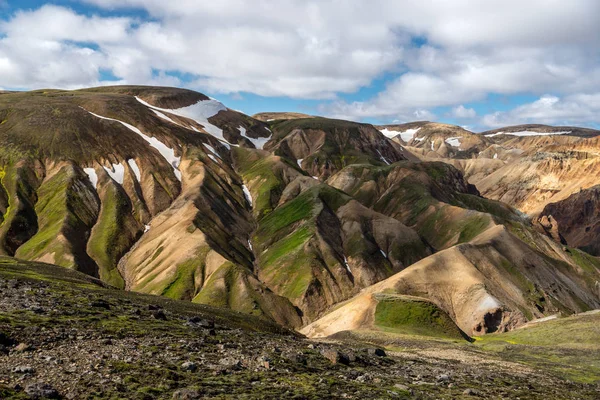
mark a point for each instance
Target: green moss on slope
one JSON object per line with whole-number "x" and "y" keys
{"x": 406, "y": 315}
{"x": 113, "y": 234}
{"x": 66, "y": 210}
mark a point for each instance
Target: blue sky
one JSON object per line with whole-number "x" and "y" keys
{"x": 380, "y": 61}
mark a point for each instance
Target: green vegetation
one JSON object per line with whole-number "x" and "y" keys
{"x": 408, "y": 315}
{"x": 58, "y": 210}
{"x": 112, "y": 235}
{"x": 567, "y": 347}
{"x": 183, "y": 284}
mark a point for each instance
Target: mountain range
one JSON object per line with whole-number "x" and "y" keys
{"x": 323, "y": 226}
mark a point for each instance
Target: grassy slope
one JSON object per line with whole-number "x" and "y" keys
{"x": 568, "y": 347}
{"x": 413, "y": 316}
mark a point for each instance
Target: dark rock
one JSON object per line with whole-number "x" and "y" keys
{"x": 189, "y": 366}
{"x": 24, "y": 369}
{"x": 5, "y": 340}
{"x": 154, "y": 307}
{"x": 471, "y": 392}
{"x": 334, "y": 356}
{"x": 230, "y": 363}
{"x": 39, "y": 390}
{"x": 375, "y": 351}
{"x": 295, "y": 357}
{"x": 159, "y": 314}
{"x": 100, "y": 304}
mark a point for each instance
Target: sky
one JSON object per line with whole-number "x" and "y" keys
{"x": 479, "y": 64}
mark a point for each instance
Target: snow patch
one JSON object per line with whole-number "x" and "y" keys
{"x": 488, "y": 302}
{"x": 212, "y": 149}
{"x": 382, "y": 157}
{"x": 91, "y": 173}
{"x": 300, "y": 162}
{"x": 528, "y": 133}
{"x": 495, "y": 155}
{"x": 383, "y": 253}
{"x": 247, "y": 194}
{"x": 117, "y": 172}
{"x": 346, "y": 264}
{"x": 213, "y": 158}
{"x": 163, "y": 116}
{"x": 146, "y": 228}
{"x": 259, "y": 143}
{"x": 135, "y": 168}
{"x": 454, "y": 141}
{"x": 406, "y": 135}
{"x": 250, "y": 245}
{"x": 432, "y": 143}
{"x": 167, "y": 152}
{"x": 199, "y": 112}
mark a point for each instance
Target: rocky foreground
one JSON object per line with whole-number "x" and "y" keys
{"x": 68, "y": 336}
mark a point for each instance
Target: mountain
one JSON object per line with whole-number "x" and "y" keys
{"x": 538, "y": 129}
{"x": 575, "y": 220}
{"x": 272, "y": 116}
{"x": 527, "y": 167}
{"x": 168, "y": 192}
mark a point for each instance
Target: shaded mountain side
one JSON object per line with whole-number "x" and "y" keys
{"x": 432, "y": 198}
{"x": 314, "y": 244}
{"x": 18, "y": 194}
{"x": 68, "y": 208}
{"x": 493, "y": 283}
{"x": 323, "y": 146}
{"x": 576, "y": 220}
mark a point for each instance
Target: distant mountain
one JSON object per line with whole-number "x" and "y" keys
{"x": 538, "y": 129}
{"x": 272, "y": 116}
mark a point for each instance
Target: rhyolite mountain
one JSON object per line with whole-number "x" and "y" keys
{"x": 295, "y": 219}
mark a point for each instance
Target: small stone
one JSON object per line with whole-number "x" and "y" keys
{"x": 443, "y": 378}
{"x": 375, "y": 351}
{"x": 189, "y": 366}
{"x": 40, "y": 390}
{"x": 24, "y": 369}
{"x": 159, "y": 314}
{"x": 471, "y": 392}
{"x": 401, "y": 387}
{"x": 100, "y": 304}
{"x": 22, "y": 347}
{"x": 295, "y": 357}
{"x": 334, "y": 356}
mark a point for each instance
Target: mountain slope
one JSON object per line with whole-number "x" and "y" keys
{"x": 166, "y": 191}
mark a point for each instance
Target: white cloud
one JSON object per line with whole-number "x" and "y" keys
{"x": 318, "y": 49}
{"x": 548, "y": 109}
{"x": 463, "y": 112}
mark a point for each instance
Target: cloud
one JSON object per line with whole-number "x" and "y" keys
{"x": 317, "y": 49}
{"x": 463, "y": 112}
{"x": 548, "y": 109}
